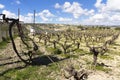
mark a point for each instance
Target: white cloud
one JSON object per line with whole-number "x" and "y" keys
{"x": 44, "y": 18}
{"x": 97, "y": 19}
{"x": 75, "y": 9}
{"x": 57, "y": 5}
{"x": 9, "y": 14}
{"x": 113, "y": 5}
{"x": 108, "y": 13}
{"x": 45, "y": 15}
{"x": 98, "y": 16}
{"x": 25, "y": 18}
{"x": 30, "y": 14}
{"x": 2, "y": 6}
{"x": 99, "y": 4}
{"x": 66, "y": 5}
{"x": 90, "y": 12}
{"x": 18, "y": 2}
{"x": 115, "y": 17}
{"x": 64, "y": 19}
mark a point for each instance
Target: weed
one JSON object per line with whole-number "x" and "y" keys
{"x": 50, "y": 49}
{"x": 102, "y": 68}
{"x": 3, "y": 44}
{"x": 57, "y": 51}
{"x": 79, "y": 50}
{"x": 105, "y": 57}
{"x": 87, "y": 60}
{"x": 54, "y": 50}
{"x": 29, "y": 73}
{"x": 53, "y": 67}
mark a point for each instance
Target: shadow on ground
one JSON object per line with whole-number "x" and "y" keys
{"x": 46, "y": 59}
{"x": 38, "y": 61}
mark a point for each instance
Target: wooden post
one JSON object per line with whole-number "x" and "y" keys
{"x": 34, "y": 19}
{"x": 33, "y": 27}
{"x": 18, "y": 13}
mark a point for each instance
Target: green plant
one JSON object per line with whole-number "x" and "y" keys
{"x": 53, "y": 67}
{"x": 29, "y": 73}
{"x": 79, "y": 50}
{"x": 57, "y": 51}
{"x": 54, "y": 50}
{"x": 117, "y": 28}
{"x": 87, "y": 60}
{"x": 105, "y": 57}
{"x": 74, "y": 56}
{"x": 3, "y": 44}
{"x": 5, "y": 41}
{"x": 102, "y": 68}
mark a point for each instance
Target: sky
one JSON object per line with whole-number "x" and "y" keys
{"x": 85, "y": 12}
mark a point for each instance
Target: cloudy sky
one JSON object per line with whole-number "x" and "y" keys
{"x": 88, "y": 12}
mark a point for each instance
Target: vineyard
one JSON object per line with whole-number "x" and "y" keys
{"x": 77, "y": 53}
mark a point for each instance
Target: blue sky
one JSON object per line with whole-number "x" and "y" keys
{"x": 88, "y": 12}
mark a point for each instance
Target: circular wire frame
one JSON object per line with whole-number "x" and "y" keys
{"x": 23, "y": 45}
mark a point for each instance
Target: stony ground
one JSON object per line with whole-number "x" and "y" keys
{"x": 11, "y": 68}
